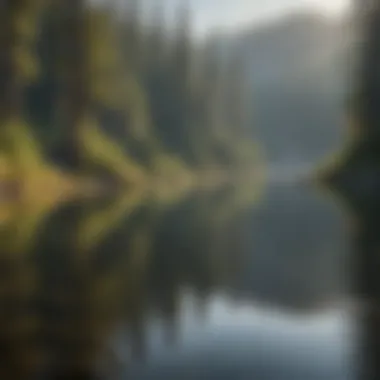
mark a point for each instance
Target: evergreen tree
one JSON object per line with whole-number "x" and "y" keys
{"x": 155, "y": 43}
{"x": 72, "y": 70}
{"x": 132, "y": 33}
{"x": 18, "y": 70}
{"x": 117, "y": 94}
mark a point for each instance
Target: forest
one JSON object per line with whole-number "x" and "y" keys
{"x": 101, "y": 93}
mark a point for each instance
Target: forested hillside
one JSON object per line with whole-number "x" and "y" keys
{"x": 100, "y": 91}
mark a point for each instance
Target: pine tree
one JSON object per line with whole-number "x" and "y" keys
{"x": 237, "y": 113}
{"x": 182, "y": 50}
{"x": 132, "y": 33}
{"x": 368, "y": 88}
{"x": 155, "y": 47}
{"x": 9, "y": 90}
{"x": 72, "y": 68}
{"x": 181, "y": 60}
{"x": 18, "y": 69}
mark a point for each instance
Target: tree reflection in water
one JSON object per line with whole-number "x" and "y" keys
{"x": 72, "y": 275}
{"x": 366, "y": 281}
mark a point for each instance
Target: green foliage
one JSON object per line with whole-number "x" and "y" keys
{"x": 113, "y": 93}
{"x": 96, "y": 224}
{"x": 99, "y": 150}
{"x": 18, "y": 143}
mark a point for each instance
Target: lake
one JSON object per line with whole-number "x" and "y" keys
{"x": 216, "y": 286}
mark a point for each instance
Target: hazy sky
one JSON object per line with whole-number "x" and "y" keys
{"x": 234, "y": 13}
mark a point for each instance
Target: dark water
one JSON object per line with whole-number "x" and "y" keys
{"x": 216, "y": 286}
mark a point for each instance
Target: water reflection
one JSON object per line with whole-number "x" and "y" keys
{"x": 365, "y": 239}
{"x": 135, "y": 288}
{"x": 244, "y": 341}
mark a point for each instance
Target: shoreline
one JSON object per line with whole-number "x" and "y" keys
{"x": 60, "y": 187}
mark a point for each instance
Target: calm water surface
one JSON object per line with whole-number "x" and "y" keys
{"x": 212, "y": 287}
{"x": 277, "y": 311}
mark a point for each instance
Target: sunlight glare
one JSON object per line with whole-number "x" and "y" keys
{"x": 332, "y": 7}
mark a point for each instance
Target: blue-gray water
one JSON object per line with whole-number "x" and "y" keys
{"x": 207, "y": 288}
{"x": 281, "y": 315}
